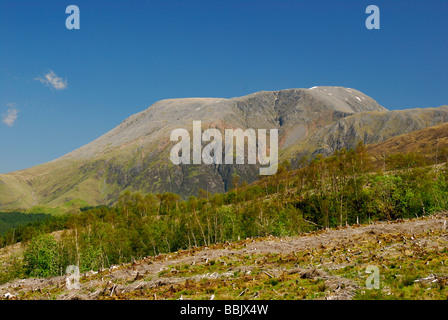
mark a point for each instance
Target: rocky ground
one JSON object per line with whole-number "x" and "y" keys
{"x": 411, "y": 257}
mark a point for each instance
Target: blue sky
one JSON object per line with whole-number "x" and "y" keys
{"x": 60, "y": 88}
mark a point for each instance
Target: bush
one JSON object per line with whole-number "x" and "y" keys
{"x": 41, "y": 257}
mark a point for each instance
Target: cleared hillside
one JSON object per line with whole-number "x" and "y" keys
{"x": 412, "y": 257}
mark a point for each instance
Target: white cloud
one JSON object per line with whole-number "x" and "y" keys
{"x": 52, "y": 80}
{"x": 11, "y": 115}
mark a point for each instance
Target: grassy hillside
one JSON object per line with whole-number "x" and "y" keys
{"x": 431, "y": 144}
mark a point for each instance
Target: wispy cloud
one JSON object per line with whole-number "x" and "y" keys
{"x": 52, "y": 80}
{"x": 10, "y": 116}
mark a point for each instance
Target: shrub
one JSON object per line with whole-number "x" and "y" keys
{"x": 42, "y": 257}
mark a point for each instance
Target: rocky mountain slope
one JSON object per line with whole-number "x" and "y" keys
{"x": 135, "y": 154}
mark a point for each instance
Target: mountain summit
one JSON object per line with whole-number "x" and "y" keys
{"x": 277, "y": 109}
{"x": 135, "y": 155}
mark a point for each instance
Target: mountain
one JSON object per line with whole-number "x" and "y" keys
{"x": 135, "y": 155}
{"x": 371, "y": 127}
